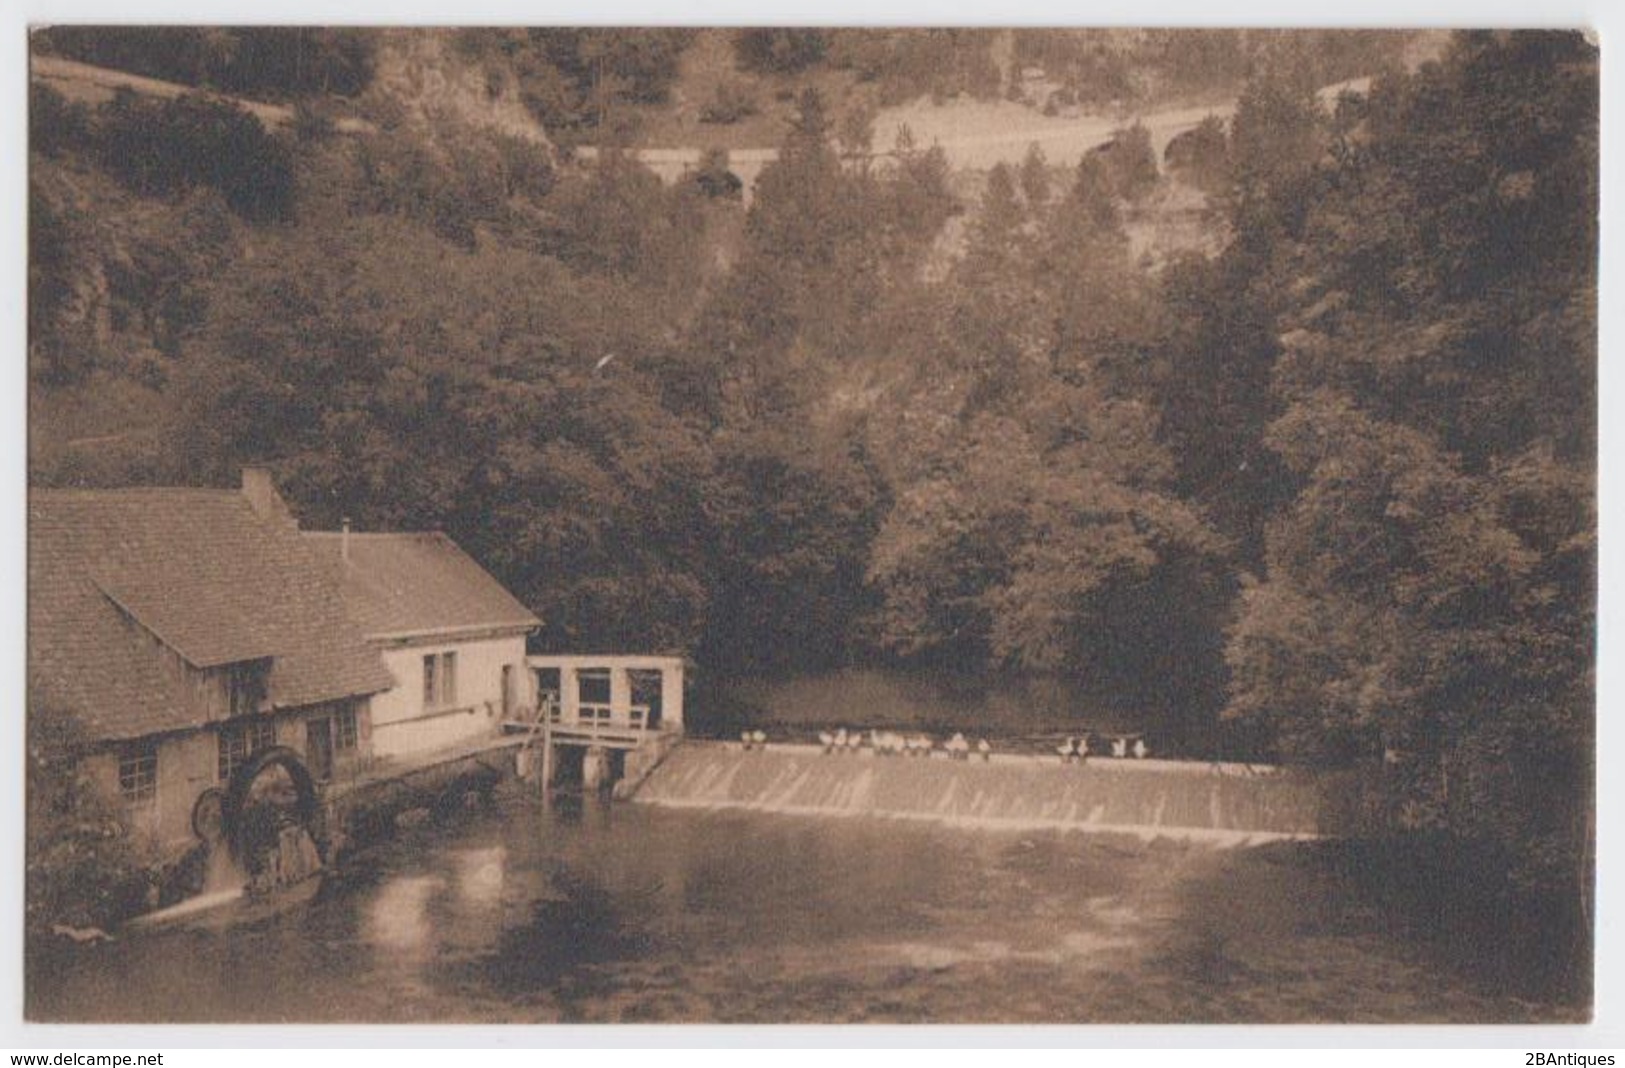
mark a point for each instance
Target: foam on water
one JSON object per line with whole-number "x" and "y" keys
{"x": 190, "y": 907}
{"x": 1222, "y": 806}
{"x": 223, "y": 883}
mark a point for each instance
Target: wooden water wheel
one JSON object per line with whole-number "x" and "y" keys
{"x": 269, "y": 794}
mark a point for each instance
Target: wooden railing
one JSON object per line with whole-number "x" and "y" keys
{"x": 600, "y": 716}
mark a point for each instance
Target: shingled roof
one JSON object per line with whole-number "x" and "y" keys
{"x": 417, "y": 584}
{"x": 115, "y": 576}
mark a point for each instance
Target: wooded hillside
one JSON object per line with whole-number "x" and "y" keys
{"x": 1327, "y": 495}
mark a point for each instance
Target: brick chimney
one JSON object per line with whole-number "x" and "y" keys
{"x": 260, "y": 489}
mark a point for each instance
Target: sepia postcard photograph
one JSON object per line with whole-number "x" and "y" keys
{"x": 810, "y": 525}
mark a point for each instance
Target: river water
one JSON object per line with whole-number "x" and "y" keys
{"x": 632, "y": 913}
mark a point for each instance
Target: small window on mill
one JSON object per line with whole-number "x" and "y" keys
{"x": 138, "y": 773}
{"x": 245, "y": 687}
{"x": 439, "y": 680}
{"x": 346, "y": 730}
{"x": 239, "y": 741}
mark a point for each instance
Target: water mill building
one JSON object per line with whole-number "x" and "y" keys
{"x": 172, "y": 633}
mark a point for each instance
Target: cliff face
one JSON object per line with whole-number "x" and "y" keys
{"x": 421, "y": 72}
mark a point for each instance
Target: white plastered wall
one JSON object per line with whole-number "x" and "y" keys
{"x": 401, "y": 725}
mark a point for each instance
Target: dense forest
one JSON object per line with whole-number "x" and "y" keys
{"x": 1327, "y": 495}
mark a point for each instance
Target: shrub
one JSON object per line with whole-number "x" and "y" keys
{"x": 1202, "y": 155}
{"x": 161, "y": 148}
{"x": 779, "y": 50}
{"x": 54, "y": 122}
{"x": 729, "y": 103}
{"x": 1132, "y": 161}
{"x": 81, "y": 869}
{"x": 527, "y": 165}
{"x": 272, "y": 62}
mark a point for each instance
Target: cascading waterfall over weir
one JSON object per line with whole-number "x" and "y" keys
{"x": 1221, "y": 804}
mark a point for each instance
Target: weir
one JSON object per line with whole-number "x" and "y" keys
{"x": 1220, "y": 804}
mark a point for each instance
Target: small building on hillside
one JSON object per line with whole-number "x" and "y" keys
{"x": 176, "y": 632}
{"x": 451, "y": 636}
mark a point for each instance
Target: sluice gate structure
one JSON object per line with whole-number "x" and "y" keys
{"x": 1221, "y": 804}
{"x": 600, "y": 721}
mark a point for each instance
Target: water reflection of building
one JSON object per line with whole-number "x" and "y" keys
{"x": 480, "y": 875}
{"x": 397, "y": 918}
